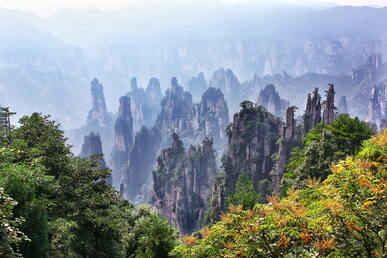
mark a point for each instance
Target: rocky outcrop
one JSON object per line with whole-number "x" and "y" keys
{"x": 252, "y": 140}
{"x": 377, "y": 107}
{"x": 329, "y": 107}
{"x": 369, "y": 71}
{"x": 145, "y": 104}
{"x": 182, "y": 183}
{"x": 197, "y": 85}
{"x": 342, "y": 107}
{"x": 176, "y": 111}
{"x": 286, "y": 143}
{"x": 213, "y": 115}
{"x": 270, "y": 99}
{"x": 312, "y": 114}
{"x": 191, "y": 121}
{"x": 123, "y": 139}
{"x": 92, "y": 145}
{"x": 98, "y": 111}
{"x": 229, "y": 84}
{"x": 98, "y": 120}
{"x": 136, "y": 176}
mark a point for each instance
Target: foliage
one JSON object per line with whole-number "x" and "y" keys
{"x": 10, "y": 235}
{"x": 323, "y": 145}
{"x": 244, "y": 193}
{"x": 68, "y": 209}
{"x": 344, "y": 216}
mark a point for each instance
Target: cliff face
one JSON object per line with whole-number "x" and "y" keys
{"x": 197, "y": 85}
{"x": 182, "y": 183}
{"x": 92, "y": 145}
{"x": 98, "y": 110}
{"x": 144, "y": 103}
{"x": 288, "y": 137}
{"x": 123, "y": 139}
{"x": 312, "y": 115}
{"x": 271, "y": 100}
{"x": 329, "y": 108}
{"x": 368, "y": 71}
{"x": 191, "y": 121}
{"x": 176, "y": 108}
{"x": 251, "y": 143}
{"x": 98, "y": 120}
{"x": 377, "y": 107}
{"x": 136, "y": 177}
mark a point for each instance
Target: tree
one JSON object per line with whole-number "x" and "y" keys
{"x": 343, "y": 216}
{"x": 323, "y": 145}
{"x": 10, "y": 235}
{"x": 244, "y": 193}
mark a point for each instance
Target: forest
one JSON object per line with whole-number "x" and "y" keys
{"x": 332, "y": 201}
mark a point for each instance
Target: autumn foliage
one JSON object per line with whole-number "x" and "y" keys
{"x": 343, "y": 216}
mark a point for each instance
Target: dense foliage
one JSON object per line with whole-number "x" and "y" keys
{"x": 344, "y": 216}
{"x": 323, "y": 145}
{"x": 57, "y": 205}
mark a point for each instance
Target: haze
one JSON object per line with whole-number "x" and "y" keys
{"x": 46, "y": 8}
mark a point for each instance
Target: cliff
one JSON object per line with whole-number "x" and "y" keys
{"x": 252, "y": 140}
{"x": 123, "y": 139}
{"x": 92, "y": 145}
{"x": 182, "y": 183}
{"x": 136, "y": 176}
{"x": 377, "y": 107}
{"x": 312, "y": 114}
{"x": 270, "y": 99}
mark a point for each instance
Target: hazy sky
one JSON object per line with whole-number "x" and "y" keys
{"x": 48, "y": 7}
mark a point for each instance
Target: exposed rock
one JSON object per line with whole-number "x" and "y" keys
{"x": 182, "y": 183}
{"x": 98, "y": 121}
{"x": 176, "y": 109}
{"x": 312, "y": 115}
{"x": 342, "y": 107}
{"x": 92, "y": 145}
{"x": 145, "y": 104}
{"x": 329, "y": 107}
{"x": 251, "y": 143}
{"x": 377, "y": 107}
{"x": 288, "y": 136}
{"x": 197, "y": 85}
{"x": 98, "y": 110}
{"x": 368, "y": 71}
{"x": 271, "y": 100}
{"x": 136, "y": 177}
{"x": 123, "y": 139}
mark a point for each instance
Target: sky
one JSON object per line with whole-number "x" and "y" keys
{"x": 47, "y": 8}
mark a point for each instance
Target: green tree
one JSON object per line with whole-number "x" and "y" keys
{"x": 10, "y": 235}
{"x": 244, "y": 193}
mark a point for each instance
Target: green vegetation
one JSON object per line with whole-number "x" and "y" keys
{"x": 344, "y": 216}
{"x": 57, "y": 205}
{"x": 324, "y": 145}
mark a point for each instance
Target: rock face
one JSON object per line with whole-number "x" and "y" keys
{"x": 98, "y": 120}
{"x": 213, "y": 115}
{"x": 176, "y": 110}
{"x": 343, "y": 106}
{"x": 136, "y": 176}
{"x": 251, "y": 143}
{"x": 144, "y": 103}
{"x": 288, "y": 136}
{"x": 271, "y": 100}
{"x": 197, "y": 85}
{"x": 98, "y": 112}
{"x": 182, "y": 183}
{"x": 123, "y": 139}
{"x": 191, "y": 121}
{"x": 329, "y": 108}
{"x": 92, "y": 145}
{"x": 368, "y": 71}
{"x": 312, "y": 115}
{"x": 377, "y": 107}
